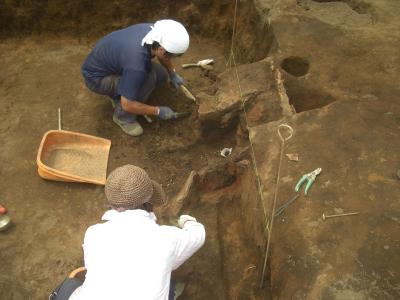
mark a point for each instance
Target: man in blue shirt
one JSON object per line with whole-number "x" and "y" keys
{"x": 120, "y": 66}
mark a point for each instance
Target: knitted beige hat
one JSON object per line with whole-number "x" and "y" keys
{"x": 130, "y": 186}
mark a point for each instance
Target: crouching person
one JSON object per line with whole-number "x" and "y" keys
{"x": 130, "y": 256}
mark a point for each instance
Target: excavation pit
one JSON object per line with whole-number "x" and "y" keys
{"x": 47, "y": 71}
{"x": 296, "y": 66}
{"x": 43, "y": 46}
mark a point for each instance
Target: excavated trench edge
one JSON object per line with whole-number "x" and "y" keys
{"x": 264, "y": 38}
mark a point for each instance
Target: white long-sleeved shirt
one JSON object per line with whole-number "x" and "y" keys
{"x": 131, "y": 257}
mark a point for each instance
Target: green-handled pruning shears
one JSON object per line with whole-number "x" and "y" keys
{"x": 310, "y": 178}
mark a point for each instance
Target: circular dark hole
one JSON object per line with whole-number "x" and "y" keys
{"x": 296, "y": 66}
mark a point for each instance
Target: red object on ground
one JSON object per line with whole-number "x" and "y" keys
{"x": 3, "y": 210}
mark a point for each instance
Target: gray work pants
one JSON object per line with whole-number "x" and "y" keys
{"x": 109, "y": 86}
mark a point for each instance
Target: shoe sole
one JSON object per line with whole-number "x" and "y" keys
{"x": 123, "y": 129}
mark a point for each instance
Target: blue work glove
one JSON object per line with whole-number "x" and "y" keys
{"x": 176, "y": 80}
{"x": 166, "y": 113}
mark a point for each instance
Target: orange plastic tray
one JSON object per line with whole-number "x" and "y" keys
{"x": 73, "y": 157}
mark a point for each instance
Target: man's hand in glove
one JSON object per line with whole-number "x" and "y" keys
{"x": 166, "y": 113}
{"x": 185, "y": 218}
{"x": 176, "y": 80}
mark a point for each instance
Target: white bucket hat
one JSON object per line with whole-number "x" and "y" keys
{"x": 170, "y": 34}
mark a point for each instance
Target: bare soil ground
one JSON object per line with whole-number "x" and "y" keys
{"x": 50, "y": 218}
{"x": 339, "y": 64}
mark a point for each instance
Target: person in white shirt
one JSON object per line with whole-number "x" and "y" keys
{"x": 130, "y": 256}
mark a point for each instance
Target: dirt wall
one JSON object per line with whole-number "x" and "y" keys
{"x": 206, "y": 18}
{"x": 229, "y": 265}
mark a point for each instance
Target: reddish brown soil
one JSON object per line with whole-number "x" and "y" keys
{"x": 50, "y": 218}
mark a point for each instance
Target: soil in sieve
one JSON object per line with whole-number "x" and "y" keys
{"x": 88, "y": 163}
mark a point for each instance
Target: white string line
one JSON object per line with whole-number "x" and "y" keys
{"x": 268, "y": 222}
{"x": 278, "y": 179}
{"x": 250, "y": 139}
{"x": 233, "y": 32}
{"x": 232, "y": 55}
